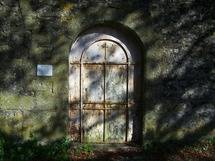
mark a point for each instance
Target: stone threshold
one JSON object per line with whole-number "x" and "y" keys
{"x": 111, "y": 146}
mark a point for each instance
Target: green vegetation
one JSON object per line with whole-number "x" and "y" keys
{"x": 85, "y": 149}
{"x": 34, "y": 149}
{"x": 202, "y": 146}
{"x": 1, "y": 149}
{"x": 172, "y": 146}
{"x": 62, "y": 150}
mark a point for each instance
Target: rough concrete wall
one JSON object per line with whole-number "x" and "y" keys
{"x": 178, "y": 39}
{"x": 184, "y": 107}
{"x": 28, "y": 103}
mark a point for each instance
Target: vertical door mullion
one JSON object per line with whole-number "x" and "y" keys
{"x": 81, "y": 104}
{"x": 127, "y": 113}
{"x": 104, "y": 129}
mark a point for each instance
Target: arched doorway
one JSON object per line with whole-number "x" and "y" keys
{"x": 105, "y": 87}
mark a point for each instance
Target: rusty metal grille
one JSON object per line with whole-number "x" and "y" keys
{"x": 101, "y": 95}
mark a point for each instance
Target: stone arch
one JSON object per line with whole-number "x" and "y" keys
{"x": 83, "y": 39}
{"x": 94, "y": 115}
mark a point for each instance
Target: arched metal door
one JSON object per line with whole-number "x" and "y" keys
{"x": 102, "y": 103}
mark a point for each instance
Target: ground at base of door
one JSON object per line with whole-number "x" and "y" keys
{"x": 138, "y": 154}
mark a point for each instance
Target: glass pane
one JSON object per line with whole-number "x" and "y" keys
{"x": 93, "y": 84}
{"x": 75, "y": 125}
{"x": 93, "y": 122}
{"x": 116, "y": 84}
{"x": 114, "y": 53}
{"x": 115, "y": 128}
{"x": 74, "y": 83}
{"x": 95, "y": 53}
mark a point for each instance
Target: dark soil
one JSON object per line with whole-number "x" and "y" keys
{"x": 179, "y": 154}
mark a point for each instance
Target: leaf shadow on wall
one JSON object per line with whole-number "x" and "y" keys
{"x": 183, "y": 95}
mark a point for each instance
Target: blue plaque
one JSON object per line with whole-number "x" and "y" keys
{"x": 44, "y": 70}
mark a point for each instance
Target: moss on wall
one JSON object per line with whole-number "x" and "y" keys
{"x": 178, "y": 64}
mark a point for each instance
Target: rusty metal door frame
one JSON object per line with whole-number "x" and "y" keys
{"x": 103, "y": 101}
{"x": 79, "y": 61}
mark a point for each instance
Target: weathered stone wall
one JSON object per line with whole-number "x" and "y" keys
{"x": 178, "y": 66}
{"x": 184, "y": 106}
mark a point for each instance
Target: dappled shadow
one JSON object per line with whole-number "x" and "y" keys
{"x": 167, "y": 151}
{"x": 186, "y": 89}
{"x": 28, "y": 103}
{"x": 108, "y": 91}
{"x": 178, "y": 103}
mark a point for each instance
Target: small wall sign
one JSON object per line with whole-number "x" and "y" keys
{"x": 44, "y": 70}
